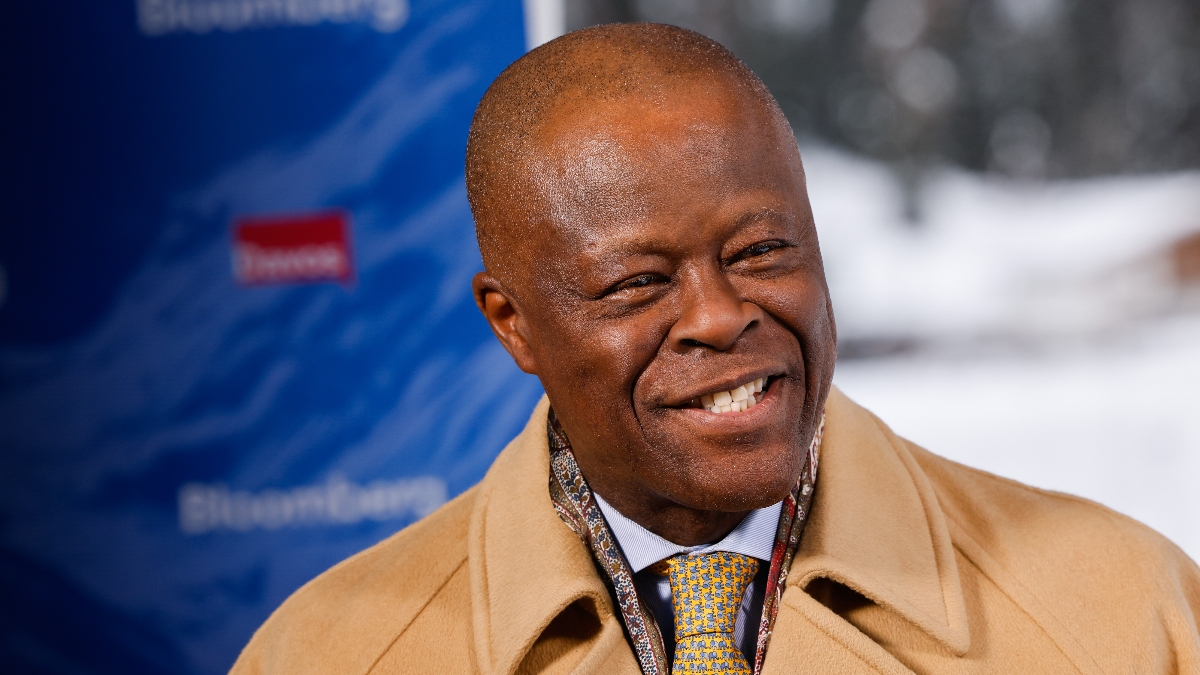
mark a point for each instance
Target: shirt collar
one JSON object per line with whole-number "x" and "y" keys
{"x": 754, "y": 537}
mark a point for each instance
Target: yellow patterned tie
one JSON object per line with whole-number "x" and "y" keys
{"x": 707, "y": 592}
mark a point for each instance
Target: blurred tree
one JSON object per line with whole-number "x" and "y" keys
{"x": 1026, "y": 88}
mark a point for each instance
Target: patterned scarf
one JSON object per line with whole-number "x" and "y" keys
{"x": 574, "y": 503}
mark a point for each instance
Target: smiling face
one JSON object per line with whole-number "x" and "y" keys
{"x": 674, "y": 260}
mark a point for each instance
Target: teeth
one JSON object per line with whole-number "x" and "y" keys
{"x": 737, "y": 399}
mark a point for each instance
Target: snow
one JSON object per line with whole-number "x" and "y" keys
{"x": 996, "y": 258}
{"x": 1042, "y": 333}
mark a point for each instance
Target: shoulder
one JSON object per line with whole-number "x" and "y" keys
{"x": 1008, "y": 517}
{"x": 346, "y": 618}
{"x": 1023, "y": 527}
{"x": 1108, "y": 590}
{"x": 1089, "y": 566}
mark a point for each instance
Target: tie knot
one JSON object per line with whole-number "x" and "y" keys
{"x": 707, "y": 590}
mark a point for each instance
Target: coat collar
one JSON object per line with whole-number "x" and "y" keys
{"x": 875, "y": 526}
{"x": 526, "y": 565}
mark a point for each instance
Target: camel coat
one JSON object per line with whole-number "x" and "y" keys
{"x": 909, "y": 563}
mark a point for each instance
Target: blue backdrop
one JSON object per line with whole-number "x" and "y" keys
{"x": 180, "y": 452}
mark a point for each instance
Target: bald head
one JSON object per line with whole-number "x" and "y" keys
{"x": 642, "y": 213}
{"x": 575, "y": 73}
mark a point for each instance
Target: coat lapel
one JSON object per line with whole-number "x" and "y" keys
{"x": 527, "y": 566}
{"x": 809, "y": 638}
{"x": 876, "y": 527}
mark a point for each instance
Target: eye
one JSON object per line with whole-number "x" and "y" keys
{"x": 634, "y": 283}
{"x": 638, "y": 282}
{"x": 760, "y": 249}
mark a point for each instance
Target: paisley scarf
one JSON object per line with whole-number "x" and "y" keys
{"x": 577, "y": 507}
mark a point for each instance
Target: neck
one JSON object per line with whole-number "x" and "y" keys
{"x": 674, "y": 522}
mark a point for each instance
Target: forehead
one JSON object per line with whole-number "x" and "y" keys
{"x": 686, "y": 149}
{"x": 703, "y": 115}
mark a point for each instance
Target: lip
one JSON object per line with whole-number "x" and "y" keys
{"x": 685, "y": 402}
{"x": 745, "y": 419}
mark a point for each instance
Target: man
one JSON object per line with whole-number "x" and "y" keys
{"x": 692, "y": 495}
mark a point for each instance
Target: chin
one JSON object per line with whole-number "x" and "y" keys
{"x": 741, "y": 485}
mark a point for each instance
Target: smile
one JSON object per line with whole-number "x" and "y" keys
{"x": 739, "y": 398}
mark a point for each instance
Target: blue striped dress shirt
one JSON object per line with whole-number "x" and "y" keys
{"x": 754, "y": 536}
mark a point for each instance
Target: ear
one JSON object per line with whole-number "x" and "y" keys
{"x": 504, "y": 316}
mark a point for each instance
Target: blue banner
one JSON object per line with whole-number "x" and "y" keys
{"x": 237, "y": 338}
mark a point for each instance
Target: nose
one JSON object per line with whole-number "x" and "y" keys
{"x": 714, "y": 315}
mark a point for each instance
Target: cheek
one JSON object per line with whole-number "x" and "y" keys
{"x": 625, "y": 348}
{"x": 806, "y": 312}
{"x": 799, "y": 302}
{"x": 602, "y": 356}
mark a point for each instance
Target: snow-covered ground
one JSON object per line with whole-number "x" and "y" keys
{"x": 1036, "y": 331}
{"x": 997, "y": 259}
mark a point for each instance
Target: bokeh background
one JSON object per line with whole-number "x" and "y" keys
{"x": 1008, "y": 202}
{"x": 1006, "y": 192}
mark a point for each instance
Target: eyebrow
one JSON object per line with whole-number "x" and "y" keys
{"x": 640, "y": 246}
{"x": 763, "y": 213}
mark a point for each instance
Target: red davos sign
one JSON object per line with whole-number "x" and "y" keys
{"x": 291, "y": 249}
